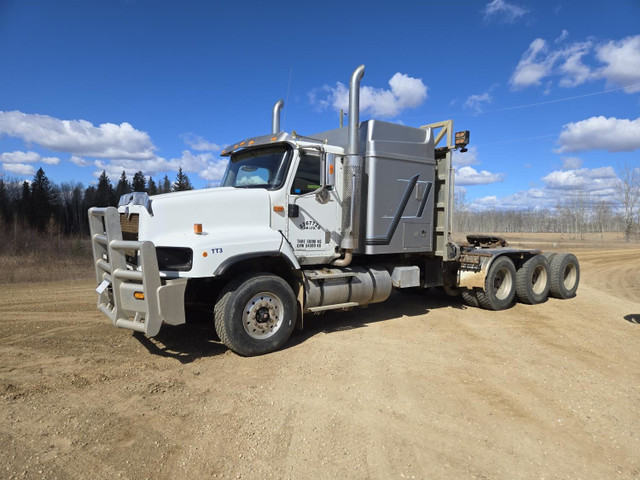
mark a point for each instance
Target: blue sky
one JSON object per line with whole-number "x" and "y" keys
{"x": 550, "y": 90}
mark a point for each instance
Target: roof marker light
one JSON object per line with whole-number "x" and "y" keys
{"x": 197, "y": 228}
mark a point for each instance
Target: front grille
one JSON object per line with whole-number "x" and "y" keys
{"x": 129, "y": 226}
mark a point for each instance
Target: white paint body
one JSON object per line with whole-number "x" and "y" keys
{"x": 242, "y": 223}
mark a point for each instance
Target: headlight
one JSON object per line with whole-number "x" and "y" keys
{"x": 174, "y": 258}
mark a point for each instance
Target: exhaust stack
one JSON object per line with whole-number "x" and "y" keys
{"x": 275, "y": 118}
{"x": 353, "y": 163}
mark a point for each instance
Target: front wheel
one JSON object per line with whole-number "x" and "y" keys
{"x": 255, "y": 314}
{"x": 499, "y": 285}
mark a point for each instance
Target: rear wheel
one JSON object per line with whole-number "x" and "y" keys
{"x": 565, "y": 275}
{"x": 255, "y": 314}
{"x": 469, "y": 298}
{"x": 532, "y": 280}
{"x": 499, "y": 285}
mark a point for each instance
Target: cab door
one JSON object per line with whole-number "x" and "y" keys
{"x": 313, "y": 223}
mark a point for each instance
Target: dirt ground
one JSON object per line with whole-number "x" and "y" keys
{"x": 417, "y": 387}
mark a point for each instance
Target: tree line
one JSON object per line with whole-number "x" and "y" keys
{"x": 576, "y": 215}
{"x": 42, "y": 205}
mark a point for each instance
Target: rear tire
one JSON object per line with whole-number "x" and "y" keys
{"x": 565, "y": 275}
{"x": 532, "y": 280}
{"x": 469, "y": 298}
{"x": 499, "y": 285}
{"x": 255, "y": 314}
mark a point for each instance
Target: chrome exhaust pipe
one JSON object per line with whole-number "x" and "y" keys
{"x": 354, "y": 110}
{"x": 275, "y": 118}
{"x": 352, "y": 186}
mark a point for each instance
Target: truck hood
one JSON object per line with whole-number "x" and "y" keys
{"x": 216, "y": 209}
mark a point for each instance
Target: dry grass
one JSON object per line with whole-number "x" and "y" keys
{"x": 39, "y": 268}
{"x": 29, "y": 256}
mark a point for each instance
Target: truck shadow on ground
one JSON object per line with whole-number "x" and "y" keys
{"x": 185, "y": 343}
{"x": 197, "y": 339}
{"x": 401, "y": 304}
{"x": 633, "y": 318}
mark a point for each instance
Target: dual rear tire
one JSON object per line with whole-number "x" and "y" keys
{"x": 556, "y": 274}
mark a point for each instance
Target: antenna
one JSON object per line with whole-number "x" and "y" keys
{"x": 286, "y": 103}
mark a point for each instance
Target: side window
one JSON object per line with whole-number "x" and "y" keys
{"x": 307, "y": 177}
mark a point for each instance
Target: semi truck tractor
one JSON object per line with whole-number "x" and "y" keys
{"x": 302, "y": 224}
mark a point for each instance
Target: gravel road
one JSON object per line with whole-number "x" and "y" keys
{"x": 417, "y": 387}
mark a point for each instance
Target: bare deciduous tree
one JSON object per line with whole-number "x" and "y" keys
{"x": 628, "y": 193}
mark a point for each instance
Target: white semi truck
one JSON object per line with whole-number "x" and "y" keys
{"x": 306, "y": 224}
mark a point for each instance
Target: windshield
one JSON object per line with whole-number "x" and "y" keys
{"x": 258, "y": 168}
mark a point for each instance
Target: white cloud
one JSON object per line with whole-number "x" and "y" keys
{"x": 562, "y": 36}
{"x": 81, "y": 162}
{"x": 534, "y": 199}
{"x": 214, "y": 172}
{"x": 470, "y": 176}
{"x": 405, "y": 92}
{"x": 539, "y": 62}
{"x": 196, "y": 142}
{"x": 78, "y": 137}
{"x": 576, "y": 63}
{"x": 205, "y": 165}
{"x": 600, "y": 133}
{"x": 475, "y": 102}
{"x": 560, "y": 186}
{"x": 470, "y": 157}
{"x": 19, "y": 168}
{"x": 622, "y": 62}
{"x": 574, "y": 72}
{"x": 27, "y": 157}
{"x": 503, "y": 11}
{"x": 534, "y": 65}
{"x": 571, "y": 163}
{"x": 585, "y": 179}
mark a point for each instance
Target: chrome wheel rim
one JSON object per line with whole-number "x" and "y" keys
{"x": 539, "y": 279}
{"x": 503, "y": 283}
{"x": 262, "y": 315}
{"x": 570, "y": 276}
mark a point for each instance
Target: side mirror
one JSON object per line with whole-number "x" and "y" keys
{"x": 328, "y": 169}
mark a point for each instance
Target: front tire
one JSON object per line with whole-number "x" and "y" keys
{"x": 255, "y": 314}
{"x": 499, "y": 285}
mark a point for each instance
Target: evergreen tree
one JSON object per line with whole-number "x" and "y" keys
{"x": 42, "y": 200}
{"x": 166, "y": 185}
{"x": 89, "y": 198}
{"x": 24, "y": 205}
{"x": 5, "y": 208}
{"x": 104, "y": 195}
{"x": 139, "y": 183}
{"x": 123, "y": 186}
{"x": 182, "y": 182}
{"x": 152, "y": 188}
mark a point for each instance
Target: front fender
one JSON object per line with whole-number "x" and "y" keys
{"x": 215, "y": 252}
